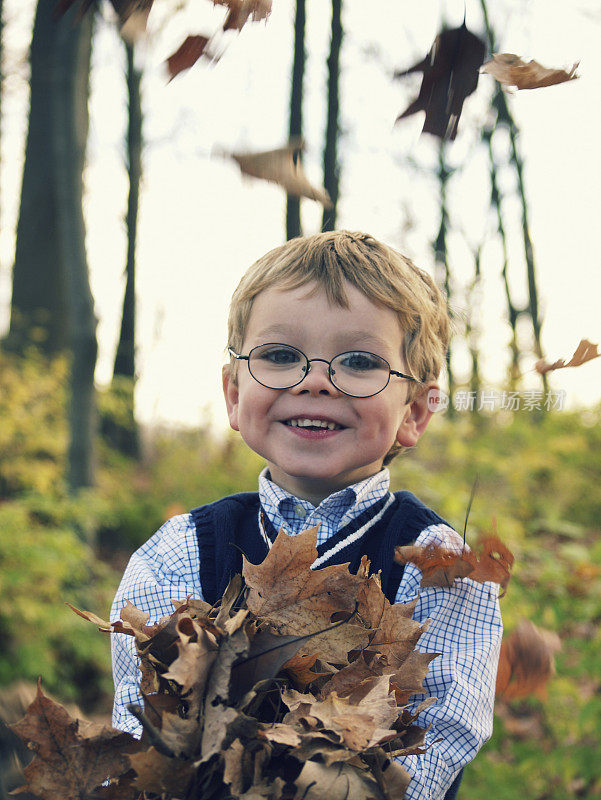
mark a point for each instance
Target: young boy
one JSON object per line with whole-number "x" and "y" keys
{"x": 335, "y": 342}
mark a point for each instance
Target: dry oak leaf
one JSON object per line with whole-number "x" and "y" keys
{"x": 196, "y": 656}
{"x": 526, "y": 662}
{"x": 300, "y": 669}
{"x": 72, "y": 757}
{"x": 585, "y": 351}
{"x": 450, "y": 74}
{"x": 440, "y": 567}
{"x": 409, "y": 678}
{"x": 336, "y": 782}
{"x": 510, "y": 70}
{"x": 160, "y": 774}
{"x": 396, "y": 633}
{"x": 282, "y": 166}
{"x": 357, "y": 675}
{"x": 241, "y": 10}
{"x": 357, "y": 723}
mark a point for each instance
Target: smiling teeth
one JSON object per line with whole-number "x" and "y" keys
{"x": 312, "y": 423}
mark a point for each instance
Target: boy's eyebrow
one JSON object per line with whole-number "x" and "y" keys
{"x": 345, "y": 339}
{"x": 277, "y": 330}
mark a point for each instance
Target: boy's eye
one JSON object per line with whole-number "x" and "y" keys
{"x": 279, "y": 355}
{"x": 359, "y": 361}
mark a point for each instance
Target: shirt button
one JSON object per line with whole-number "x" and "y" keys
{"x": 300, "y": 511}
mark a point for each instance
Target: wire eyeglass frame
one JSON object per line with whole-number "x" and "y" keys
{"x": 331, "y": 372}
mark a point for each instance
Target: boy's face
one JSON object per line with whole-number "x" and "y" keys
{"x": 314, "y": 464}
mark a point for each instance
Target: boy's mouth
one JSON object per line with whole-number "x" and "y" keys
{"x": 312, "y": 424}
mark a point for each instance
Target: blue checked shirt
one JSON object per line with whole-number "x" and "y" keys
{"x": 465, "y": 625}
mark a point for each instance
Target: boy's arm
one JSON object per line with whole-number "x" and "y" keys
{"x": 166, "y": 568}
{"x": 466, "y": 630}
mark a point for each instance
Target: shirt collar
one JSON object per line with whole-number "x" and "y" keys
{"x": 334, "y": 512}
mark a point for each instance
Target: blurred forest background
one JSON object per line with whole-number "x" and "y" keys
{"x": 83, "y": 481}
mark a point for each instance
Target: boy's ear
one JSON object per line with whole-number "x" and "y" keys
{"x": 230, "y": 391}
{"x": 417, "y": 415}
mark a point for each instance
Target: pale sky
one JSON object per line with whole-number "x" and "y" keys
{"x": 202, "y": 224}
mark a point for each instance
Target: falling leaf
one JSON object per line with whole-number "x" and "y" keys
{"x": 585, "y": 351}
{"x": 526, "y": 662}
{"x": 72, "y": 757}
{"x": 187, "y": 54}
{"x": 510, "y": 70}
{"x": 450, "y": 74}
{"x": 282, "y": 166}
{"x": 241, "y": 10}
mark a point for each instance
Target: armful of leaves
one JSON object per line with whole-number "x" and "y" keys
{"x": 294, "y": 685}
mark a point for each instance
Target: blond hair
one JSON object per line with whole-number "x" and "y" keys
{"x": 382, "y": 274}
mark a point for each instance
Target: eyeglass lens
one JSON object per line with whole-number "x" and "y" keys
{"x": 357, "y": 373}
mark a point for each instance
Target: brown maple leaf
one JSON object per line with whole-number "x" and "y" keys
{"x": 72, "y": 757}
{"x": 509, "y": 69}
{"x": 450, "y": 74}
{"x": 585, "y": 351}
{"x": 282, "y": 166}
{"x": 526, "y": 661}
{"x": 395, "y": 632}
{"x": 291, "y": 597}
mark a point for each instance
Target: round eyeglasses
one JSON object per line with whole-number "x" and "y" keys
{"x": 356, "y": 373}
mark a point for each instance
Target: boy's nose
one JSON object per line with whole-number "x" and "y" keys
{"x": 317, "y": 380}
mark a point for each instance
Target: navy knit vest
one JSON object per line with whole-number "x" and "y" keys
{"x": 229, "y": 527}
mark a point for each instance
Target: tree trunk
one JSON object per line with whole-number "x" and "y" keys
{"x": 293, "y": 220}
{"x": 124, "y": 370}
{"x": 38, "y": 305}
{"x": 70, "y": 88}
{"x": 1, "y": 89}
{"x": 442, "y": 256}
{"x": 472, "y": 332}
{"x": 331, "y": 168}
{"x": 512, "y": 311}
{"x": 504, "y": 117}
